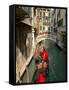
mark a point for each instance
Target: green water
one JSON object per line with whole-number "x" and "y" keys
{"x": 31, "y": 70}
{"x": 57, "y": 64}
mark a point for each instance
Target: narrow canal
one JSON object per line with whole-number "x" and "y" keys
{"x": 57, "y": 64}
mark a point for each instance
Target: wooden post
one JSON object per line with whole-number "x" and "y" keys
{"x": 27, "y": 74}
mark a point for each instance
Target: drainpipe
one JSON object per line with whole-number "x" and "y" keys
{"x": 27, "y": 74}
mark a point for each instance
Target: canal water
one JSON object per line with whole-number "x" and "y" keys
{"x": 57, "y": 64}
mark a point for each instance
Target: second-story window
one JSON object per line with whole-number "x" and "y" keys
{"x": 59, "y": 13}
{"x": 43, "y": 28}
{"x": 43, "y": 14}
{"x": 40, "y": 28}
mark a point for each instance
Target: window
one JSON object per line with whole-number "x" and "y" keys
{"x": 43, "y": 14}
{"x": 59, "y": 12}
{"x": 40, "y": 27}
{"x": 54, "y": 10}
{"x": 43, "y": 28}
{"x": 54, "y": 21}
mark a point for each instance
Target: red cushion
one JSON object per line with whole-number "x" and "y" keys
{"x": 42, "y": 78}
{"x": 45, "y": 55}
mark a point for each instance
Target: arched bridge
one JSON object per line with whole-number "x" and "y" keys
{"x": 45, "y": 36}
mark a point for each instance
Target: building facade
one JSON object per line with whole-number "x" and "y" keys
{"x": 58, "y": 26}
{"x": 41, "y": 21}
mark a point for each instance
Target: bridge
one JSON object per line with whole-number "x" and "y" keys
{"x": 45, "y": 36}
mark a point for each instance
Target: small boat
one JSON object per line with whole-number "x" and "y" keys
{"x": 41, "y": 73}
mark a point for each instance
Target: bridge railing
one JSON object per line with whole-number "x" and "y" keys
{"x": 45, "y": 36}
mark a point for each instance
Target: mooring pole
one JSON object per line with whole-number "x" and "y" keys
{"x": 27, "y": 74}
